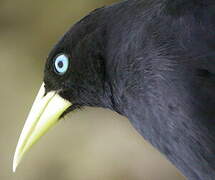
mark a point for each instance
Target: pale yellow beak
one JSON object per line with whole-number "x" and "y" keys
{"x": 44, "y": 113}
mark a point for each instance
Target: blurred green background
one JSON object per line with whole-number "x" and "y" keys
{"x": 93, "y": 144}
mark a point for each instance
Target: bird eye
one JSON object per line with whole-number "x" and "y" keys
{"x": 61, "y": 64}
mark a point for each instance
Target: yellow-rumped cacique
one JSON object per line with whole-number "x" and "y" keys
{"x": 152, "y": 61}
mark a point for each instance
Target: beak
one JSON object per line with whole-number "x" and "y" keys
{"x": 44, "y": 114}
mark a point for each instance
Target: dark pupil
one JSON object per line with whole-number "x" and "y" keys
{"x": 60, "y": 64}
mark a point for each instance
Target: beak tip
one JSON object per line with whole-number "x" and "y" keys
{"x": 16, "y": 161}
{"x": 14, "y": 166}
{"x": 14, "y": 169}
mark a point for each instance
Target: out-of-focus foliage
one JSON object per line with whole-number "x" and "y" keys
{"x": 93, "y": 144}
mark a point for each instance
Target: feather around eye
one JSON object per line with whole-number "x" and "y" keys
{"x": 61, "y": 64}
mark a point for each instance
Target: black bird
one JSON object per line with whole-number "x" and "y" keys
{"x": 152, "y": 61}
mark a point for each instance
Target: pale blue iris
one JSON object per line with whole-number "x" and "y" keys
{"x": 61, "y": 64}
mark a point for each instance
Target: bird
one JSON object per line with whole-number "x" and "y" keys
{"x": 152, "y": 61}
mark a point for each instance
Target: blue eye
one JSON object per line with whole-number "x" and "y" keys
{"x": 61, "y": 64}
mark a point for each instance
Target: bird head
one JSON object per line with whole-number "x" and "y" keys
{"x": 74, "y": 76}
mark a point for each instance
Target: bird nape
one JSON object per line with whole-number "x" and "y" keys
{"x": 149, "y": 60}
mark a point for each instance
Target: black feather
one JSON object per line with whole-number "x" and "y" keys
{"x": 152, "y": 61}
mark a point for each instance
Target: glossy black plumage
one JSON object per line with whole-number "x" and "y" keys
{"x": 152, "y": 61}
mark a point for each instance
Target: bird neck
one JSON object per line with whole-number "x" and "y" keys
{"x": 168, "y": 123}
